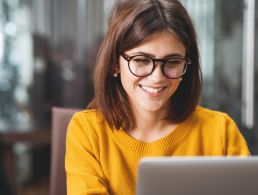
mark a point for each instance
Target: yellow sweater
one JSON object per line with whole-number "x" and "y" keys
{"x": 100, "y": 160}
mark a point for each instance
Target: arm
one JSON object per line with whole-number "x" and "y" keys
{"x": 84, "y": 172}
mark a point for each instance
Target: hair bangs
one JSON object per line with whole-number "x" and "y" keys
{"x": 144, "y": 25}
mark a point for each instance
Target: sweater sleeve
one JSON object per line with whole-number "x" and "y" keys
{"x": 234, "y": 142}
{"x": 83, "y": 169}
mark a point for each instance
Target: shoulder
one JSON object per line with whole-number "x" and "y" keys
{"x": 212, "y": 119}
{"x": 221, "y": 128}
{"x": 87, "y": 122}
{"x": 88, "y": 118}
{"x": 210, "y": 115}
{"x": 92, "y": 116}
{"x": 86, "y": 113}
{"x": 206, "y": 111}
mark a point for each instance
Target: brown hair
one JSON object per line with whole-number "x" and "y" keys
{"x": 130, "y": 23}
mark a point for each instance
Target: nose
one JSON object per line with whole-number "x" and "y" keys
{"x": 157, "y": 74}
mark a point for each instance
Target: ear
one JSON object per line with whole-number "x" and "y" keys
{"x": 115, "y": 71}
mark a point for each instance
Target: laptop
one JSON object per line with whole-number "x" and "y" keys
{"x": 198, "y": 176}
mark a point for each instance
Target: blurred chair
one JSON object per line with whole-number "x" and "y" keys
{"x": 60, "y": 121}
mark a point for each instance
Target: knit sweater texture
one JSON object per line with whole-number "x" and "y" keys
{"x": 102, "y": 160}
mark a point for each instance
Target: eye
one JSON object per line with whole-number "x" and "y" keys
{"x": 141, "y": 60}
{"x": 174, "y": 62}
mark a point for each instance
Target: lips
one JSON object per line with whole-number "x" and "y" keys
{"x": 152, "y": 90}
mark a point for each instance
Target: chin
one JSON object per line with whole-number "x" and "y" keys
{"x": 152, "y": 108}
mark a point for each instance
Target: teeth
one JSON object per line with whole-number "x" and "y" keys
{"x": 152, "y": 90}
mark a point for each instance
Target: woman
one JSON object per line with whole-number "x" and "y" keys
{"x": 147, "y": 87}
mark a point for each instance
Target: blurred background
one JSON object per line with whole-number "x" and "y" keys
{"x": 47, "y": 54}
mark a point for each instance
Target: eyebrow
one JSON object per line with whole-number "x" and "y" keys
{"x": 153, "y": 56}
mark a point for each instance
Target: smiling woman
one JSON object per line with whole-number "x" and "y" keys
{"x": 152, "y": 91}
{"x": 147, "y": 87}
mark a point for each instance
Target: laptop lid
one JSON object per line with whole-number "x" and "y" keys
{"x": 198, "y": 176}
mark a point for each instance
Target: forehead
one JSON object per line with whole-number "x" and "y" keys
{"x": 160, "y": 44}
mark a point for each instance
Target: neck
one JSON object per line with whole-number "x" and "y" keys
{"x": 148, "y": 121}
{"x": 151, "y": 126}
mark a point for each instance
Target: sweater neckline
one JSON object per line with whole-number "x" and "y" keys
{"x": 166, "y": 143}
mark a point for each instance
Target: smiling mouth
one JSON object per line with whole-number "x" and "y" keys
{"x": 153, "y": 90}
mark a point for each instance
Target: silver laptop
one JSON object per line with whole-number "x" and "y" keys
{"x": 198, "y": 176}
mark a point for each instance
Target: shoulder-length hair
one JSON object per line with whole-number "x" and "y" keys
{"x": 131, "y": 22}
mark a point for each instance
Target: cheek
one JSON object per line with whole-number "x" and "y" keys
{"x": 129, "y": 82}
{"x": 174, "y": 86}
{"x": 123, "y": 76}
{"x": 127, "y": 79}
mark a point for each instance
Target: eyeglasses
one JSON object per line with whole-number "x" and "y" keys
{"x": 142, "y": 66}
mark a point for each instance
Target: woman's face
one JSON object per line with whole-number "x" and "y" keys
{"x": 151, "y": 93}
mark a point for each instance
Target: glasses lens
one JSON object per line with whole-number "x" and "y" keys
{"x": 175, "y": 67}
{"x": 140, "y": 65}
